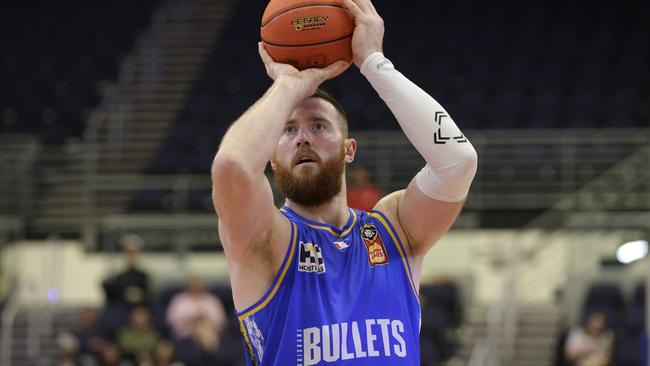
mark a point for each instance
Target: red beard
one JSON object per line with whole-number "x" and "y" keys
{"x": 308, "y": 188}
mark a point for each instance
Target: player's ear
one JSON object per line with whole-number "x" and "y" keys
{"x": 272, "y": 164}
{"x": 350, "y": 150}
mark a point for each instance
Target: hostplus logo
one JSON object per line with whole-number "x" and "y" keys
{"x": 311, "y": 258}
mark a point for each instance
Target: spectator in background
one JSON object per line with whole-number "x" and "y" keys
{"x": 362, "y": 193}
{"x": 111, "y": 355}
{"x": 67, "y": 350}
{"x": 591, "y": 345}
{"x": 87, "y": 334}
{"x": 197, "y": 314}
{"x": 163, "y": 354}
{"x": 130, "y": 286}
{"x": 139, "y": 338}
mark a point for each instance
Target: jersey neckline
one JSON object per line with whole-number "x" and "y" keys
{"x": 352, "y": 219}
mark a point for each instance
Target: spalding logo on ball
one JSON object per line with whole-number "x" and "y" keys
{"x": 307, "y": 33}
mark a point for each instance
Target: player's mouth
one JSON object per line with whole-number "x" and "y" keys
{"x": 305, "y": 161}
{"x": 305, "y": 158}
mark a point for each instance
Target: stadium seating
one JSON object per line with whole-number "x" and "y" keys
{"x": 626, "y": 318}
{"x": 606, "y": 298}
{"x": 441, "y": 314}
{"x": 631, "y": 342}
{"x": 55, "y": 56}
{"x": 544, "y": 65}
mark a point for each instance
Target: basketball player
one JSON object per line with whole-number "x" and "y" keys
{"x": 314, "y": 282}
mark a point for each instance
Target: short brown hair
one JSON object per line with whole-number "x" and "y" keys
{"x": 320, "y": 93}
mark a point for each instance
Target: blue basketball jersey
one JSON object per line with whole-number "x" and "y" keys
{"x": 342, "y": 296}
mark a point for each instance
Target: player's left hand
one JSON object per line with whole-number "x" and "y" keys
{"x": 369, "y": 30}
{"x": 305, "y": 82}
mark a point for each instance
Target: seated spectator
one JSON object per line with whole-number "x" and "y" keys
{"x": 362, "y": 193}
{"x": 130, "y": 286}
{"x": 139, "y": 339}
{"x": 197, "y": 313}
{"x": 87, "y": 334}
{"x": 591, "y": 345}
{"x": 163, "y": 354}
{"x": 67, "y": 350}
{"x": 111, "y": 355}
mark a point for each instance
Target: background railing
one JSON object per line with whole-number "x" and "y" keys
{"x": 521, "y": 172}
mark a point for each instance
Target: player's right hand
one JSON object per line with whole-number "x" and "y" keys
{"x": 368, "y": 35}
{"x": 306, "y": 81}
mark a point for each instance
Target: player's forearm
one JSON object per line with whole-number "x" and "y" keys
{"x": 451, "y": 159}
{"x": 251, "y": 140}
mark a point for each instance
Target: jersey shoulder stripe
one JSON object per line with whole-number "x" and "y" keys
{"x": 277, "y": 281}
{"x": 381, "y": 217}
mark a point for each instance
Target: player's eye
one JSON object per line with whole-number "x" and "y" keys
{"x": 318, "y": 126}
{"x": 290, "y": 129}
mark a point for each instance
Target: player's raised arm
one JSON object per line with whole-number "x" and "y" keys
{"x": 242, "y": 195}
{"x": 434, "y": 198}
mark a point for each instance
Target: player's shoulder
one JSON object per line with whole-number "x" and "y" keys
{"x": 387, "y": 209}
{"x": 389, "y": 204}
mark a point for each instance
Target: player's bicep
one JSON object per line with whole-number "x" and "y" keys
{"x": 425, "y": 219}
{"x": 244, "y": 204}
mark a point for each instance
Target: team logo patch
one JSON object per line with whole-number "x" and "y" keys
{"x": 376, "y": 250}
{"x": 311, "y": 258}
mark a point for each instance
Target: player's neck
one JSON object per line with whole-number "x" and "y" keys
{"x": 334, "y": 212}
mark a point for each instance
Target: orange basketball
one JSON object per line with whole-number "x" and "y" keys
{"x": 307, "y": 33}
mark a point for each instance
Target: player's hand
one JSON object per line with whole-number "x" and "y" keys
{"x": 368, "y": 34}
{"x": 305, "y": 82}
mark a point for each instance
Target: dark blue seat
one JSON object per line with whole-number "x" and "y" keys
{"x": 200, "y": 200}
{"x": 638, "y": 296}
{"x": 159, "y": 306}
{"x": 151, "y": 200}
{"x": 629, "y": 350}
{"x": 606, "y": 293}
{"x": 606, "y": 298}
{"x": 113, "y": 316}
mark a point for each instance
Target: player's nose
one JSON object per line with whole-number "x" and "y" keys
{"x": 303, "y": 136}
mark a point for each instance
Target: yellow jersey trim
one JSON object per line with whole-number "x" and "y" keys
{"x": 329, "y": 229}
{"x": 278, "y": 282}
{"x": 249, "y": 347}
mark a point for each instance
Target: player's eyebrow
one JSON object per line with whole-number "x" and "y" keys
{"x": 311, "y": 118}
{"x": 318, "y": 118}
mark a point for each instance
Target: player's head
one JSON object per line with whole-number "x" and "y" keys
{"x": 309, "y": 161}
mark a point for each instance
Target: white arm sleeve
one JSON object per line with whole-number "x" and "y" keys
{"x": 451, "y": 158}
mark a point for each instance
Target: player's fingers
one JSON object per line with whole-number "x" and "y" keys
{"x": 372, "y": 7}
{"x": 353, "y": 8}
{"x": 334, "y": 69}
{"x": 363, "y": 5}
{"x": 266, "y": 58}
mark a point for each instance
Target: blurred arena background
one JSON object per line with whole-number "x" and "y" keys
{"x": 111, "y": 112}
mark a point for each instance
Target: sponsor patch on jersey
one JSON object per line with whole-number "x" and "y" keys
{"x": 376, "y": 250}
{"x": 311, "y": 258}
{"x": 341, "y": 244}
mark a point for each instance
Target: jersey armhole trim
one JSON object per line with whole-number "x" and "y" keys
{"x": 400, "y": 248}
{"x": 247, "y": 342}
{"x": 277, "y": 281}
